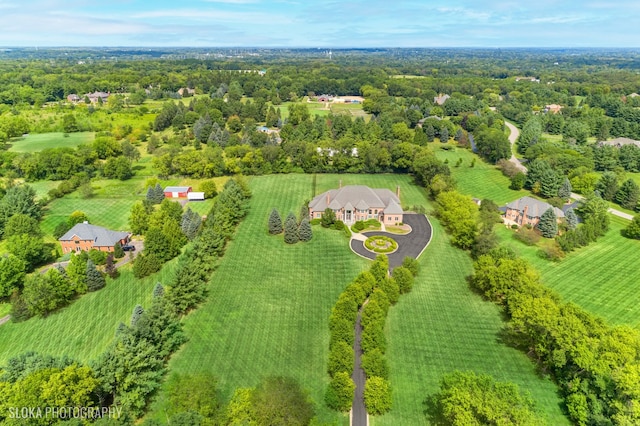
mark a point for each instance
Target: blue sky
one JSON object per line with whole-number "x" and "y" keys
{"x": 320, "y": 23}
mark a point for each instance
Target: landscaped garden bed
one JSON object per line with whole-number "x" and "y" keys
{"x": 381, "y": 244}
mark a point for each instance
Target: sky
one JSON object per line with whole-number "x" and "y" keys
{"x": 320, "y": 23}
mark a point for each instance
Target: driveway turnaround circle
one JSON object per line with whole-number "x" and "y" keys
{"x": 411, "y": 244}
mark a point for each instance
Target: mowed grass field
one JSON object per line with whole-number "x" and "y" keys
{"x": 269, "y": 304}
{"x": 442, "y": 326}
{"x": 603, "y": 277}
{"x": 483, "y": 180}
{"x": 38, "y": 142}
{"x": 85, "y": 328}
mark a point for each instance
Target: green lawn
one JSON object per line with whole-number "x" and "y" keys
{"x": 85, "y": 328}
{"x": 442, "y": 326}
{"x": 38, "y": 142}
{"x": 483, "y": 180}
{"x": 601, "y": 277}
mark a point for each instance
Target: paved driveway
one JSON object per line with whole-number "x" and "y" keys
{"x": 411, "y": 244}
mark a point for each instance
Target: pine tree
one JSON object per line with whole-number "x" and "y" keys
{"x": 444, "y": 135}
{"x": 275, "y": 222}
{"x": 136, "y": 314}
{"x": 305, "y": 231}
{"x": 291, "y": 229}
{"x": 548, "y": 224}
{"x": 571, "y": 218}
{"x": 628, "y": 195}
{"x": 158, "y": 194}
{"x": 190, "y": 223}
{"x": 430, "y": 132}
{"x": 607, "y": 186}
{"x": 565, "y": 189}
{"x": 158, "y": 290}
{"x": 95, "y": 280}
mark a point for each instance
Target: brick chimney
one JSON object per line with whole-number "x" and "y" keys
{"x": 398, "y": 191}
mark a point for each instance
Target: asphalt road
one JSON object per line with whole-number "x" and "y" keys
{"x": 358, "y": 410}
{"x": 411, "y": 244}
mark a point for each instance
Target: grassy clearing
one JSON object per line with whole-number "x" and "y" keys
{"x": 442, "y": 326}
{"x": 38, "y": 142}
{"x": 85, "y": 328}
{"x": 269, "y": 302}
{"x": 483, "y": 180}
{"x": 600, "y": 277}
{"x": 5, "y": 308}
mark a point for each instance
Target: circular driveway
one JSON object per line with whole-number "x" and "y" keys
{"x": 411, "y": 244}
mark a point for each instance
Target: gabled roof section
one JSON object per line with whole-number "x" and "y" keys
{"x": 177, "y": 188}
{"x": 535, "y": 208}
{"x": 101, "y": 237}
{"x": 359, "y": 197}
{"x": 393, "y": 208}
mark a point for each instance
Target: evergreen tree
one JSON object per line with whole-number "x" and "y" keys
{"x": 548, "y": 224}
{"x": 110, "y": 267}
{"x": 444, "y": 135}
{"x": 305, "y": 231}
{"x": 571, "y": 218}
{"x": 420, "y": 138}
{"x": 628, "y": 195}
{"x": 304, "y": 212}
{"x": 136, "y": 314}
{"x": 190, "y": 223}
{"x": 565, "y": 189}
{"x": 607, "y": 186}
{"x": 158, "y": 290}
{"x": 430, "y": 132}
{"x": 275, "y": 222}
{"x": 328, "y": 218}
{"x": 633, "y": 230}
{"x": 118, "y": 252}
{"x": 95, "y": 280}
{"x": 291, "y": 229}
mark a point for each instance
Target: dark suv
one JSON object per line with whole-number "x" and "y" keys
{"x": 129, "y": 247}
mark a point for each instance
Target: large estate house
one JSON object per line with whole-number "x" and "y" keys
{"x": 358, "y": 202}
{"x": 527, "y": 211}
{"x": 84, "y": 237}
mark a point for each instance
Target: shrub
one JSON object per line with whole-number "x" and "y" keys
{"x": 381, "y": 244}
{"x": 377, "y": 395}
{"x": 146, "y": 264}
{"x": 391, "y": 289}
{"x": 373, "y": 338}
{"x": 518, "y": 181}
{"x": 552, "y": 252}
{"x": 375, "y": 364}
{"x": 358, "y": 226}
{"x": 328, "y": 218}
{"x": 341, "y": 331}
{"x": 339, "y": 395}
{"x": 315, "y": 221}
{"x": 412, "y": 265}
{"x": 404, "y": 278}
{"x": 341, "y": 358}
{"x": 633, "y": 230}
{"x": 98, "y": 257}
{"x": 528, "y": 236}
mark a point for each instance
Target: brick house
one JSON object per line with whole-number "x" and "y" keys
{"x": 527, "y": 211}
{"x": 357, "y": 202}
{"x": 177, "y": 191}
{"x": 84, "y": 237}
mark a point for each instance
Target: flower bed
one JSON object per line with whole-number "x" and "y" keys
{"x": 381, "y": 244}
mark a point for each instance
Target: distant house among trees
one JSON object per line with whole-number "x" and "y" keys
{"x": 552, "y": 108}
{"x": 441, "y": 99}
{"x": 357, "y": 202}
{"x": 325, "y": 98}
{"x": 96, "y": 97}
{"x": 84, "y": 237}
{"x": 528, "y": 211}
{"x": 186, "y": 91}
{"x": 73, "y": 98}
{"x": 177, "y": 191}
{"x": 620, "y": 142}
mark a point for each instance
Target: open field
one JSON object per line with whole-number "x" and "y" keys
{"x": 442, "y": 326}
{"x": 601, "y": 277}
{"x": 481, "y": 181}
{"x": 85, "y": 328}
{"x": 324, "y": 108}
{"x": 290, "y": 286}
{"x": 38, "y": 142}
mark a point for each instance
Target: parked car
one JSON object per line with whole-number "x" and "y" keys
{"x": 129, "y": 247}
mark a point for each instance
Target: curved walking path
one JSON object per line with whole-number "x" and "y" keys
{"x": 411, "y": 244}
{"x": 513, "y": 137}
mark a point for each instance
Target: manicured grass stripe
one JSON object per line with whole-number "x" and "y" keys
{"x": 442, "y": 326}
{"x": 85, "y": 328}
{"x": 601, "y": 277}
{"x": 482, "y": 180}
{"x": 38, "y": 142}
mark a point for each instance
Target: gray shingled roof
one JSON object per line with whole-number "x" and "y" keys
{"x": 619, "y": 142}
{"x": 101, "y": 237}
{"x": 360, "y": 196}
{"x": 536, "y": 208}
{"x": 393, "y": 208}
{"x": 176, "y": 189}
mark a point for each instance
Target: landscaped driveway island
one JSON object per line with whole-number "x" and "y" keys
{"x": 411, "y": 244}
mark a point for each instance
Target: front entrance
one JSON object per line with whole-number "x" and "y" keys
{"x": 347, "y": 216}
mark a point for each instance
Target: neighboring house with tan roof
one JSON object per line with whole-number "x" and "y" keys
{"x": 553, "y": 108}
{"x": 527, "y": 211}
{"x": 84, "y": 237}
{"x": 96, "y": 97}
{"x": 358, "y": 202}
